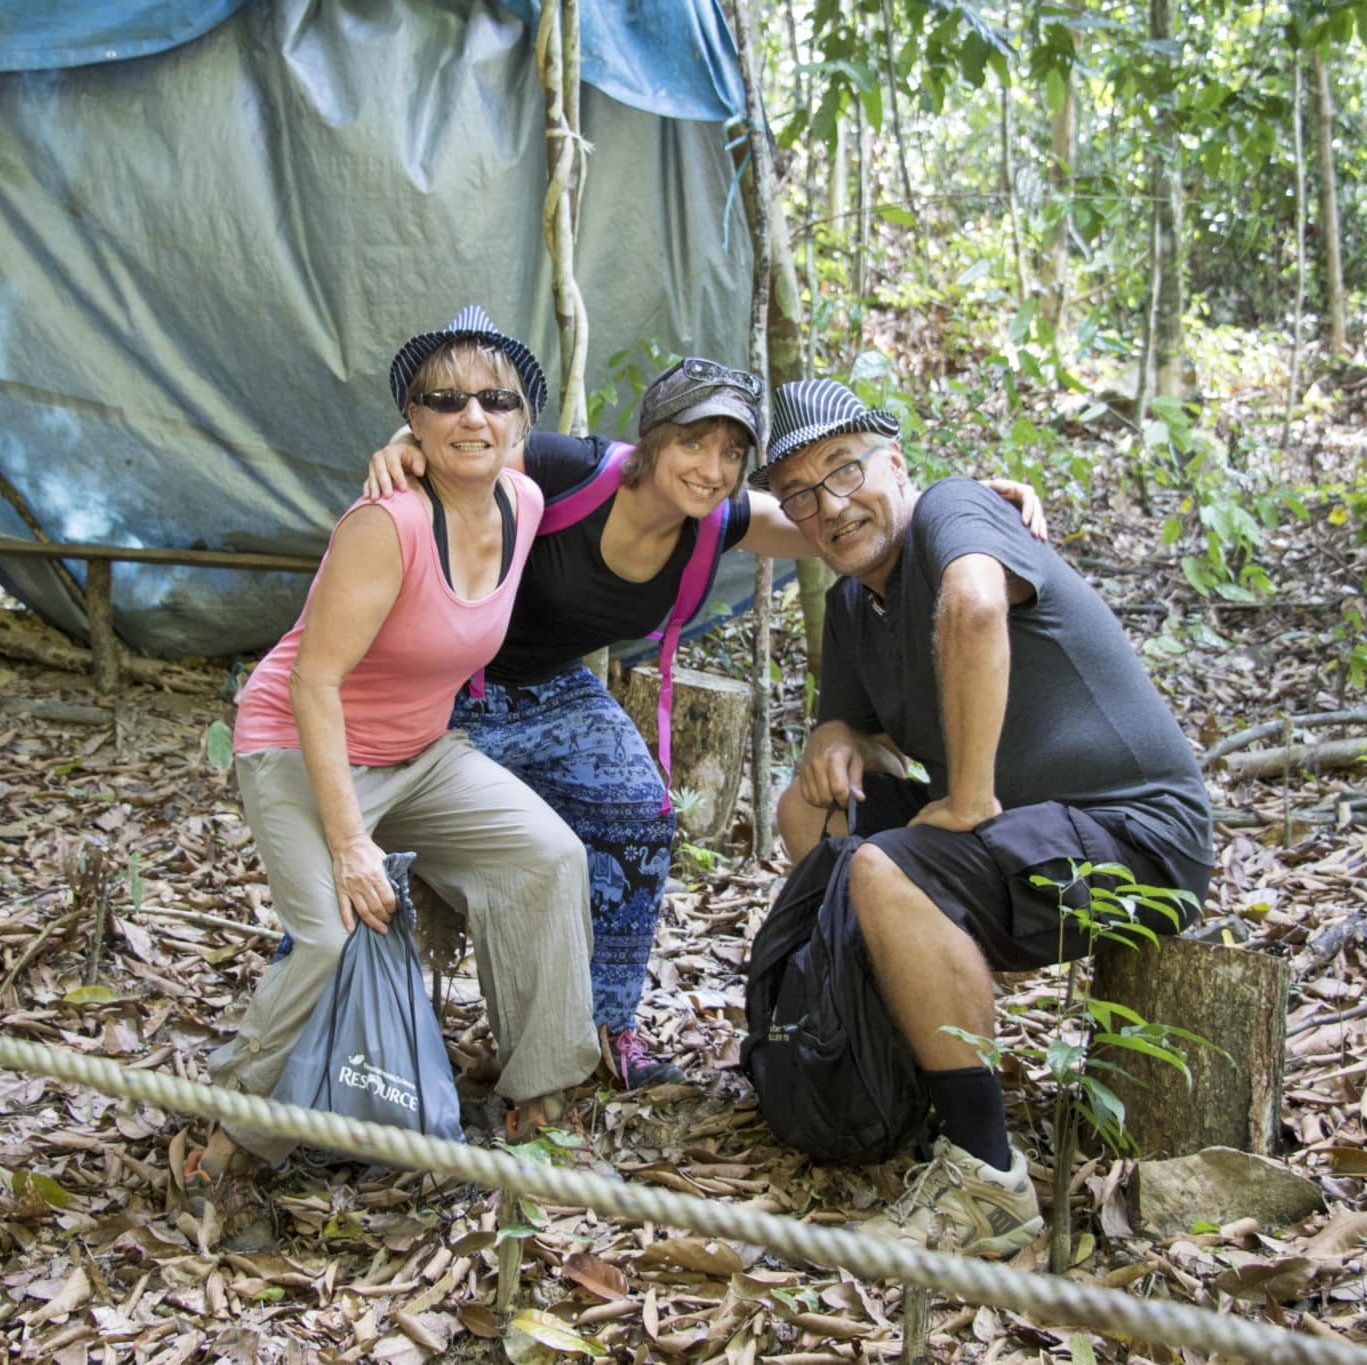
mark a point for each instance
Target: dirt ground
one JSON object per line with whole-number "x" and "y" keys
{"x": 105, "y": 1256}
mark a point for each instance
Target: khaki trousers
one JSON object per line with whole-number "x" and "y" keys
{"x": 476, "y": 830}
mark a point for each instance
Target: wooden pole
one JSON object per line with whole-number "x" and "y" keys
{"x": 762, "y": 192}
{"x": 99, "y": 615}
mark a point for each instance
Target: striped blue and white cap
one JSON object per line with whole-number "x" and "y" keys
{"x": 474, "y": 323}
{"x": 812, "y": 409}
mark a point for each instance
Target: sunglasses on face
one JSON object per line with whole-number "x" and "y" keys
{"x": 840, "y": 483}
{"x": 710, "y": 371}
{"x": 456, "y": 400}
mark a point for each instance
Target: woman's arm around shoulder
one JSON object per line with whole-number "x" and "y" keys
{"x": 401, "y": 456}
{"x": 771, "y": 533}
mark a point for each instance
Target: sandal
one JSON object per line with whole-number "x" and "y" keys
{"x": 219, "y": 1156}
{"x": 525, "y": 1121}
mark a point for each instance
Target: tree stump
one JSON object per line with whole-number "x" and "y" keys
{"x": 707, "y": 740}
{"x": 1232, "y": 997}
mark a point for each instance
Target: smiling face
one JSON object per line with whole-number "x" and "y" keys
{"x": 476, "y": 441}
{"x": 698, "y": 465}
{"x": 859, "y": 535}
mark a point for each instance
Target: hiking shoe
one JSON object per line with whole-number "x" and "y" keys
{"x": 957, "y": 1203}
{"x": 629, "y": 1064}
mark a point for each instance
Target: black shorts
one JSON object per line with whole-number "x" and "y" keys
{"x": 982, "y": 879}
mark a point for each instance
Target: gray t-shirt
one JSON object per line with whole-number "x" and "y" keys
{"x": 1084, "y": 723}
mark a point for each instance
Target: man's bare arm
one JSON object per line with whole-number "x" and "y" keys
{"x": 973, "y": 664}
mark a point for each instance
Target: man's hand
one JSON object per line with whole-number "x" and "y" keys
{"x": 363, "y": 889}
{"x": 944, "y": 816}
{"x": 389, "y": 467}
{"x": 1023, "y": 496}
{"x": 832, "y": 766}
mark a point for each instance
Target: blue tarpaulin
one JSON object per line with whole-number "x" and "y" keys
{"x": 674, "y": 58}
{"x": 38, "y": 37}
{"x": 211, "y": 254}
{"x": 669, "y": 57}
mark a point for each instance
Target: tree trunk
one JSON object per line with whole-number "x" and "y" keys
{"x": 1329, "y": 208}
{"x": 1293, "y": 379}
{"x": 786, "y": 366}
{"x": 706, "y": 738}
{"x": 1167, "y": 337}
{"x": 863, "y": 203}
{"x": 1062, "y": 158}
{"x": 1232, "y": 997}
{"x": 557, "y": 63}
{"x": 760, "y": 192}
{"x": 894, "y": 106}
{"x": 1009, "y": 190}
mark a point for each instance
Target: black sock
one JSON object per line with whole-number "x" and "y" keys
{"x": 972, "y": 1112}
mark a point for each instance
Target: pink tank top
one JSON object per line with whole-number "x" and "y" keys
{"x": 397, "y": 700}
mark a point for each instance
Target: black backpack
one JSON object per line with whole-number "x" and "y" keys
{"x": 834, "y": 1075}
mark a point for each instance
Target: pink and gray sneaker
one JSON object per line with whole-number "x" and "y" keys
{"x": 629, "y": 1064}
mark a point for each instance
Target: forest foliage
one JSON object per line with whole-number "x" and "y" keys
{"x": 1079, "y": 242}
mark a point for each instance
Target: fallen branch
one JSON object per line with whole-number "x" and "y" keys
{"x": 1234, "y": 817}
{"x": 210, "y": 922}
{"x": 1340, "y": 1017}
{"x": 1332, "y": 754}
{"x": 29, "y": 953}
{"x": 52, "y": 651}
{"x": 1329, "y": 944}
{"x": 1242, "y": 739}
{"x": 64, "y": 713}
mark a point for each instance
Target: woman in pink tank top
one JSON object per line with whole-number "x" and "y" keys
{"x": 343, "y": 751}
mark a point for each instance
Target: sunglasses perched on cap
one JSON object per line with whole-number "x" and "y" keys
{"x": 712, "y": 372}
{"x": 456, "y": 400}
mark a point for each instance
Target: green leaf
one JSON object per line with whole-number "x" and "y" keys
{"x": 343, "y": 1227}
{"x": 975, "y": 272}
{"x": 91, "y": 995}
{"x": 271, "y": 1293}
{"x": 219, "y": 746}
{"x": 44, "y": 1186}
{"x": 1063, "y": 1058}
{"x": 1055, "y": 89}
{"x": 1132, "y": 1043}
{"x": 895, "y": 213}
{"x": 550, "y": 1332}
{"x": 873, "y": 106}
{"x": 1103, "y": 1011}
{"x": 1203, "y": 1225}
{"x": 1080, "y": 1350}
{"x": 1197, "y": 575}
{"x": 1107, "y": 1106}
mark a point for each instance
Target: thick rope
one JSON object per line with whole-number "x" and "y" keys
{"x": 1053, "y": 1298}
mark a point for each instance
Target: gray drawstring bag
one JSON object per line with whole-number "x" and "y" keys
{"x": 372, "y": 1048}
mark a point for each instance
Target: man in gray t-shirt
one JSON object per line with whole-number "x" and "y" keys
{"x": 955, "y": 639}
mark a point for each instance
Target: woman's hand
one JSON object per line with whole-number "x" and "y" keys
{"x": 1023, "y": 496}
{"x": 390, "y": 466}
{"x": 363, "y": 889}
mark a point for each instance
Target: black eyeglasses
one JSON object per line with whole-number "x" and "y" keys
{"x": 456, "y": 400}
{"x": 712, "y": 371}
{"x": 840, "y": 483}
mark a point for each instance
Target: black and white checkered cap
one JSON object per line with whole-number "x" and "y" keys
{"x": 812, "y": 409}
{"x": 474, "y": 323}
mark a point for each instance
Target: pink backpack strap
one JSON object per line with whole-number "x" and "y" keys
{"x": 568, "y": 508}
{"x": 573, "y": 505}
{"x": 693, "y": 587}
